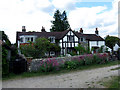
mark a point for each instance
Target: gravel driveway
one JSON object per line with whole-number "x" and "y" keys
{"x": 77, "y": 79}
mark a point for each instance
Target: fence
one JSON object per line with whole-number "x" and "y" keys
{"x": 18, "y": 66}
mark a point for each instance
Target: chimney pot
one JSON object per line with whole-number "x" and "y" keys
{"x": 23, "y": 29}
{"x": 96, "y": 31}
{"x": 81, "y": 30}
{"x": 43, "y": 29}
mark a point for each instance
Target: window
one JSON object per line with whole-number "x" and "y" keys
{"x": 21, "y": 39}
{"x": 70, "y": 38}
{"x": 27, "y": 39}
{"x": 52, "y": 39}
{"x": 81, "y": 39}
{"x": 97, "y": 43}
{"x": 31, "y": 39}
{"x": 47, "y": 54}
{"x": 52, "y": 53}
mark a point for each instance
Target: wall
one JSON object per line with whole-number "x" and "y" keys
{"x": 94, "y": 43}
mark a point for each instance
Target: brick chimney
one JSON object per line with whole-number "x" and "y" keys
{"x": 43, "y": 29}
{"x": 23, "y": 29}
{"x": 81, "y": 30}
{"x": 96, "y": 31}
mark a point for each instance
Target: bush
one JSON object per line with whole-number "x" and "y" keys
{"x": 5, "y": 63}
{"x": 88, "y": 59}
{"x": 96, "y": 59}
{"x": 71, "y": 64}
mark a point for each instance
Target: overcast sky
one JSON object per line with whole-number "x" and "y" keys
{"x": 86, "y": 14}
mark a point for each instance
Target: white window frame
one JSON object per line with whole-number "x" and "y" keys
{"x": 26, "y": 37}
{"x": 51, "y": 53}
{"x": 53, "y": 38}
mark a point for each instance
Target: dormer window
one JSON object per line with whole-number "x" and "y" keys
{"x": 52, "y": 39}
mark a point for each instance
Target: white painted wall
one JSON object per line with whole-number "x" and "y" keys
{"x": 94, "y": 43}
{"x": 76, "y": 38}
{"x": 65, "y": 38}
{"x": 116, "y": 47}
{"x": 76, "y": 44}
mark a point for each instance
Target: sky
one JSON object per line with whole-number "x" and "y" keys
{"x": 86, "y": 14}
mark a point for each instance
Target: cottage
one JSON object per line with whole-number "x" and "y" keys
{"x": 67, "y": 39}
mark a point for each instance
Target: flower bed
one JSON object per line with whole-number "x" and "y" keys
{"x": 74, "y": 62}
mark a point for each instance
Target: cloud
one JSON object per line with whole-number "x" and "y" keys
{"x": 84, "y": 17}
{"x": 91, "y": 17}
{"x": 37, "y": 13}
{"x": 64, "y": 4}
{"x": 15, "y": 14}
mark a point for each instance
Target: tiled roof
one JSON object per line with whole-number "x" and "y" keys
{"x": 60, "y": 35}
{"x": 93, "y": 37}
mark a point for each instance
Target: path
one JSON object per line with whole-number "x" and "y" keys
{"x": 77, "y": 79}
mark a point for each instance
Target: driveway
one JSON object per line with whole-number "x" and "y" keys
{"x": 77, "y": 79}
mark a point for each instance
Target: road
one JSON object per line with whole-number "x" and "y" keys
{"x": 76, "y": 79}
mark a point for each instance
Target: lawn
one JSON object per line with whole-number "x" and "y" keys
{"x": 33, "y": 74}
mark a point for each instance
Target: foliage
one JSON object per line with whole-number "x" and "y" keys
{"x": 100, "y": 50}
{"x": 60, "y": 23}
{"x": 80, "y": 49}
{"x": 73, "y": 53}
{"x": 5, "y": 38}
{"x": 61, "y": 71}
{"x": 38, "y": 49}
{"x": 71, "y": 64}
{"x": 5, "y": 64}
{"x": 110, "y": 41}
{"x": 45, "y": 65}
{"x": 75, "y": 62}
{"x": 35, "y": 50}
{"x": 28, "y": 50}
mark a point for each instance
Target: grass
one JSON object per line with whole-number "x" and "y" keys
{"x": 62, "y": 71}
{"x": 116, "y": 68}
{"x": 113, "y": 83}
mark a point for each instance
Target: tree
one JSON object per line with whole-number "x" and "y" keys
{"x": 35, "y": 50}
{"x": 110, "y": 41}
{"x": 38, "y": 49}
{"x": 5, "y": 63}
{"x": 60, "y": 22}
{"x": 80, "y": 49}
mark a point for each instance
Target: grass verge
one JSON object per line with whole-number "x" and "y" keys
{"x": 62, "y": 71}
{"x": 114, "y": 82}
{"x": 116, "y": 68}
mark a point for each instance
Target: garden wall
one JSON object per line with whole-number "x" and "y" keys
{"x": 36, "y": 64}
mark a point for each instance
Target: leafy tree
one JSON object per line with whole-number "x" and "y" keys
{"x": 80, "y": 49}
{"x": 38, "y": 49}
{"x": 60, "y": 22}
{"x": 110, "y": 41}
{"x": 35, "y": 50}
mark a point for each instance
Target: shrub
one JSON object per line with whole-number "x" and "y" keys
{"x": 96, "y": 59}
{"x": 70, "y": 64}
{"x": 88, "y": 59}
